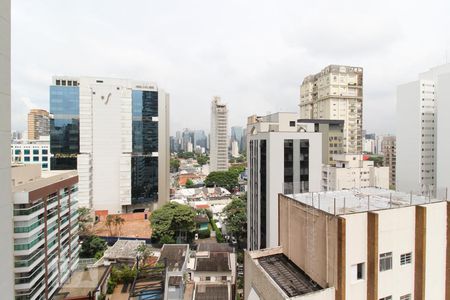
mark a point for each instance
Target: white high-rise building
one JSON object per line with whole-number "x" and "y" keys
{"x": 219, "y": 136}
{"x": 120, "y": 142}
{"x": 283, "y": 157}
{"x": 336, "y": 93}
{"x": 6, "y": 208}
{"x": 423, "y": 123}
{"x": 234, "y": 149}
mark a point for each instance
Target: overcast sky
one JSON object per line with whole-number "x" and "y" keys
{"x": 254, "y": 54}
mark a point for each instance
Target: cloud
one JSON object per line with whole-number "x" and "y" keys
{"x": 254, "y": 54}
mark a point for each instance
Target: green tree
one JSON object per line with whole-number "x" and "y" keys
{"x": 377, "y": 160}
{"x": 109, "y": 224}
{"x": 85, "y": 221}
{"x": 186, "y": 155}
{"x": 92, "y": 246}
{"x": 171, "y": 221}
{"x": 144, "y": 253}
{"x": 202, "y": 159}
{"x": 174, "y": 165}
{"x": 236, "y": 221}
{"x": 118, "y": 223}
{"x": 225, "y": 179}
{"x": 189, "y": 183}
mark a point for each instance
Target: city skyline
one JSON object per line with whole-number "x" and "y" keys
{"x": 261, "y": 62}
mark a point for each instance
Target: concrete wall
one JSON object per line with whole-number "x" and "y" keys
{"x": 443, "y": 136}
{"x": 408, "y": 132}
{"x": 309, "y": 238}
{"x": 163, "y": 148}
{"x": 6, "y": 226}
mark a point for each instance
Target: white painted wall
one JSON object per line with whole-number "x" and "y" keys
{"x": 443, "y": 136}
{"x": 6, "y": 225}
{"x": 436, "y": 251}
{"x": 397, "y": 235}
{"x": 356, "y": 241}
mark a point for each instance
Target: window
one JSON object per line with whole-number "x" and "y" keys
{"x": 224, "y": 278}
{"x": 45, "y": 166}
{"x": 358, "y": 272}
{"x": 17, "y": 151}
{"x": 405, "y": 258}
{"x": 35, "y": 158}
{"x": 405, "y": 297}
{"x": 44, "y": 158}
{"x": 208, "y": 278}
{"x": 26, "y": 151}
{"x": 44, "y": 151}
{"x": 26, "y": 158}
{"x": 386, "y": 298}
{"x": 385, "y": 261}
{"x": 292, "y": 123}
{"x": 36, "y": 151}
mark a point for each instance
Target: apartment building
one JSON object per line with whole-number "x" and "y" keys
{"x": 353, "y": 171}
{"x": 332, "y": 137}
{"x": 123, "y": 164}
{"x": 389, "y": 151}
{"x": 336, "y": 93}
{"x": 31, "y": 152}
{"x": 38, "y": 124}
{"x": 45, "y": 220}
{"x": 6, "y": 226}
{"x": 362, "y": 244}
{"x": 218, "y": 136}
{"x": 282, "y": 157}
{"x": 422, "y": 126}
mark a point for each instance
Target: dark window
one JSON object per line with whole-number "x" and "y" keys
{"x": 44, "y": 158}
{"x": 292, "y": 123}
{"x": 35, "y": 158}
{"x": 385, "y": 261}
{"x": 17, "y": 151}
{"x": 26, "y": 151}
{"x": 26, "y": 158}
{"x": 44, "y": 151}
{"x": 36, "y": 151}
{"x": 405, "y": 258}
{"x": 45, "y": 166}
{"x": 263, "y": 192}
{"x": 360, "y": 271}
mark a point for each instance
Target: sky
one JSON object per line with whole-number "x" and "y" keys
{"x": 254, "y": 54}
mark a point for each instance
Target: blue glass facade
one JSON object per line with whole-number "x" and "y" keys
{"x": 144, "y": 167}
{"x": 64, "y": 127}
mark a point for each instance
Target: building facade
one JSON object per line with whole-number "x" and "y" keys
{"x": 218, "y": 136}
{"x": 390, "y": 158}
{"x": 422, "y": 111}
{"x": 122, "y": 164}
{"x": 353, "y": 172}
{"x": 31, "y": 152}
{"x": 332, "y": 137}
{"x": 38, "y": 124}
{"x": 280, "y": 159}
{"x": 46, "y": 226}
{"x": 369, "y": 244}
{"x": 336, "y": 93}
{"x": 237, "y": 134}
{"x": 6, "y": 226}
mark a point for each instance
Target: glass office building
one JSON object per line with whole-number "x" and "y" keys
{"x": 144, "y": 160}
{"x": 64, "y": 125}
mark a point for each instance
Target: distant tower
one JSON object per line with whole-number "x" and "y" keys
{"x": 38, "y": 124}
{"x": 218, "y": 138}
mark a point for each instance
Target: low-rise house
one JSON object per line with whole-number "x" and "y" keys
{"x": 175, "y": 257}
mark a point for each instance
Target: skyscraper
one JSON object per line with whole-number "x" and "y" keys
{"x": 423, "y": 145}
{"x": 6, "y": 208}
{"x": 237, "y": 133}
{"x": 389, "y": 151}
{"x": 38, "y": 124}
{"x": 336, "y": 93}
{"x": 116, "y": 133}
{"x": 219, "y": 136}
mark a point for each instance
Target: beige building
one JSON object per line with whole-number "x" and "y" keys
{"x": 369, "y": 244}
{"x": 218, "y": 136}
{"x": 38, "y": 124}
{"x": 336, "y": 93}
{"x": 388, "y": 146}
{"x": 46, "y": 246}
{"x": 351, "y": 171}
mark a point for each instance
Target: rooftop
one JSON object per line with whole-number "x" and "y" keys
{"x": 215, "y": 247}
{"x": 215, "y": 262}
{"x": 204, "y": 291}
{"x": 290, "y": 278}
{"x": 123, "y": 249}
{"x": 360, "y": 200}
{"x": 81, "y": 282}
{"x": 175, "y": 255}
